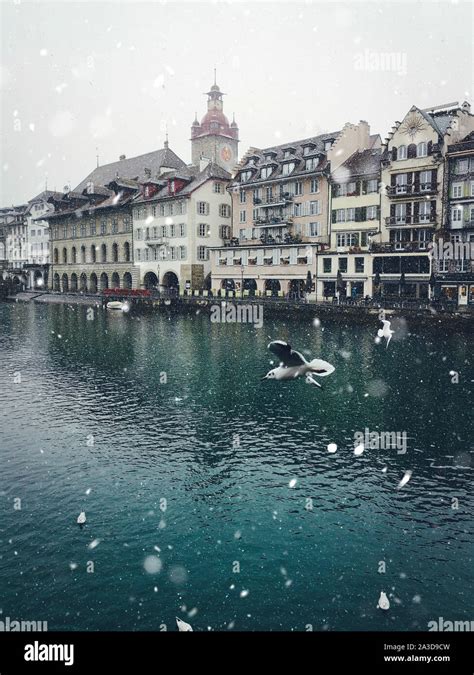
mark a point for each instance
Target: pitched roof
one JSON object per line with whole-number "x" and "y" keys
{"x": 133, "y": 168}
{"x": 198, "y": 178}
{"x": 364, "y": 163}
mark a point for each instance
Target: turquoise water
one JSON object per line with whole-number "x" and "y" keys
{"x": 93, "y": 427}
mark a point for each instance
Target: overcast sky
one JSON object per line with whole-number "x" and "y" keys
{"x": 76, "y": 76}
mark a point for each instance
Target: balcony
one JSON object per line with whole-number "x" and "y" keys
{"x": 156, "y": 241}
{"x": 412, "y": 221}
{"x": 412, "y": 189}
{"x": 400, "y": 246}
{"x": 273, "y": 221}
{"x": 281, "y": 200}
{"x": 461, "y": 224}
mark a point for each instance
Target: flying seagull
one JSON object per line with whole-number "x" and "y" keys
{"x": 386, "y": 331}
{"x": 293, "y": 365}
{"x": 81, "y": 518}
{"x": 183, "y": 627}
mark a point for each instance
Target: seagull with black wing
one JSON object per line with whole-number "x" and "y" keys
{"x": 294, "y": 365}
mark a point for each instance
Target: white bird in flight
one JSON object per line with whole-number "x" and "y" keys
{"x": 293, "y": 365}
{"x": 384, "y": 602}
{"x": 183, "y": 627}
{"x": 81, "y": 518}
{"x": 386, "y": 331}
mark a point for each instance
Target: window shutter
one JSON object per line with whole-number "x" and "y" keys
{"x": 394, "y": 154}
{"x": 434, "y": 179}
{"x": 363, "y": 213}
{"x": 433, "y": 209}
{"x": 357, "y": 214}
{"x": 409, "y": 178}
{"x": 411, "y": 151}
{"x": 430, "y": 147}
{"x": 333, "y": 219}
{"x": 393, "y": 180}
{"x": 416, "y": 212}
{"x": 392, "y": 210}
{"x": 408, "y": 212}
{"x": 364, "y": 187}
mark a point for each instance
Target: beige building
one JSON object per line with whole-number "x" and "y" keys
{"x": 280, "y": 213}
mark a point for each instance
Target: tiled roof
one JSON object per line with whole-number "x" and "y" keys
{"x": 198, "y": 178}
{"x": 133, "y": 168}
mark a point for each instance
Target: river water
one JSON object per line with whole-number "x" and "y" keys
{"x": 211, "y": 495}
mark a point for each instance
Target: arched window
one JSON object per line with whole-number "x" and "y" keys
{"x": 126, "y": 252}
{"x": 402, "y": 152}
{"x": 103, "y": 253}
{"x": 83, "y": 254}
{"x": 93, "y": 253}
{"x": 64, "y": 255}
{"x": 73, "y": 254}
{"x": 114, "y": 252}
{"x": 56, "y": 255}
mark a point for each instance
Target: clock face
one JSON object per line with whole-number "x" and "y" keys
{"x": 226, "y": 153}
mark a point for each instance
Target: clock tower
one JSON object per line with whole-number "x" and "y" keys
{"x": 214, "y": 137}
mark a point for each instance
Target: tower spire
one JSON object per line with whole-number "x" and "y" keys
{"x": 215, "y": 76}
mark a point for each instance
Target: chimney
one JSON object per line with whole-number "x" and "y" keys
{"x": 364, "y": 135}
{"x": 466, "y": 107}
{"x": 122, "y": 157}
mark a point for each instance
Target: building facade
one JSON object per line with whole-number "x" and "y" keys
{"x": 177, "y": 219}
{"x": 412, "y": 201}
{"x": 454, "y": 251}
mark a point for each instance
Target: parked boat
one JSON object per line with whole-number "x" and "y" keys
{"x": 115, "y": 305}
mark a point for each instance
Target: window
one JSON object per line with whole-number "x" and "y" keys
{"x": 138, "y": 254}
{"x": 64, "y": 232}
{"x": 313, "y": 230}
{"x": 127, "y": 224}
{"x": 203, "y": 208}
{"x": 343, "y": 264}
{"x": 288, "y": 168}
{"x": 422, "y": 149}
{"x": 203, "y": 230}
{"x": 372, "y": 186}
{"x": 162, "y": 230}
{"x": 114, "y": 226}
{"x": 327, "y": 145}
{"x": 217, "y": 188}
{"x": 401, "y": 183}
{"x": 162, "y": 209}
{"x": 172, "y": 230}
{"x": 245, "y": 176}
{"x": 202, "y": 253}
{"x": 350, "y": 214}
{"x": 297, "y": 209}
{"x": 340, "y": 215}
{"x": 456, "y": 214}
{"x": 224, "y": 231}
{"x": 242, "y": 234}
{"x": 181, "y": 208}
{"x": 139, "y": 233}
{"x": 182, "y": 253}
{"x": 182, "y": 230}
{"x": 457, "y": 190}
{"x": 243, "y": 216}
{"x": 266, "y": 172}
{"x": 327, "y": 265}
{"x": 424, "y": 212}
{"x": 243, "y": 197}
{"x": 371, "y": 213}
{"x": 33, "y": 233}
{"x": 173, "y": 255}
{"x": 224, "y": 210}
{"x": 462, "y": 166}
{"x": 400, "y": 213}
{"x": 311, "y": 164}
{"x": 359, "y": 264}
{"x": 402, "y": 152}
{"x": 298, "y": 188}
{"x": 425, "y": 181}
{"x": 347, "y": 239}
{"x": 103, "y": 227}
{"x": 83, "y": 230}
{"x": 315, "y": 208}
{"x": 314, "y": 185}
{"x": 472, "y": 188}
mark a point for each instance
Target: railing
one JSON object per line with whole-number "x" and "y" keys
{"x": 156, "y": 240}
{"x": 408, "y": 246}
{"x": 411, "y": 189}
{"x": 411, "y": 220}
{"x": 272, "y": 201}
{"x": 274, "y": 220}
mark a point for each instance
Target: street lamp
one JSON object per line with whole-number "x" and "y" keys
{"x": 241, "y": 281}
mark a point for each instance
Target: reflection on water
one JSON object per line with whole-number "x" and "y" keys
{"x": 199, "y": 467}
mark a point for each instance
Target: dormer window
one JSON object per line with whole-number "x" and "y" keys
{"x": 147, "y": 191}
{"x": 266, "y": 171}
{"x": 287, "y": 154}
{"x": 402, "y": 152}
{"x": 311, "y": 164}
{"x": 245, "y": 176}
{"x": 288, "y": 168}
{"x": 422, "y": 149}
{"x": 327, "y": 145}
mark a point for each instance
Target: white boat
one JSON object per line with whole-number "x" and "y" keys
{"x": 115, "y": 304}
